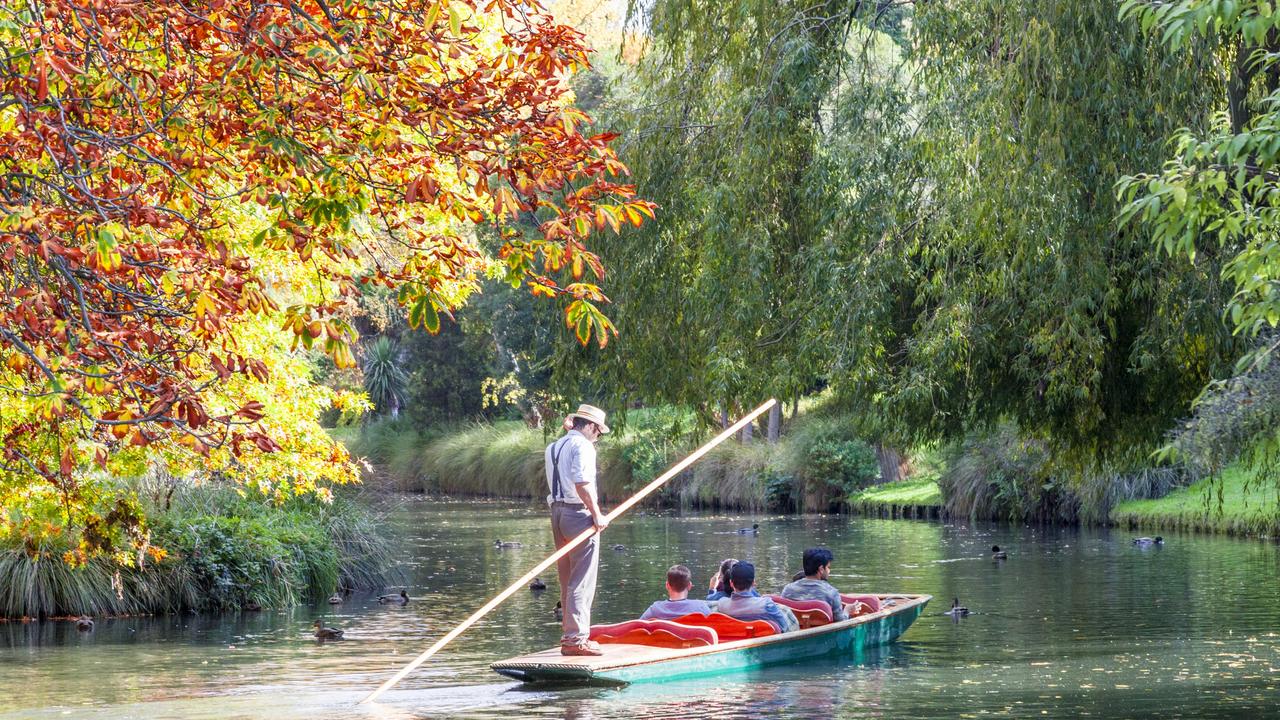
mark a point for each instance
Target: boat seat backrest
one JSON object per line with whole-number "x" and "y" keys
{"x": 655, "y": 633}
{"x": 810, "y": 613}
{"x": 729, "y": 628}
{"x": 869, "y": 604}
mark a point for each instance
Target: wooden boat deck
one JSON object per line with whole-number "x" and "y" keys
{"x": 550, "y": 664}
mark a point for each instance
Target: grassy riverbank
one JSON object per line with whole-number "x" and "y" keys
{"x": 213, "y": 549}
{"x": 815, "y": 466}
{"x": 1238, "y": 501}
{"x": 914, "y": 497}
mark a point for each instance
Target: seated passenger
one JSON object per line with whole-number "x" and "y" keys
{"x": 678, "y": 584}
{"x": 814, "y": 585}
{"x": 746, "y": 604}
{"x": 720, "y": 582}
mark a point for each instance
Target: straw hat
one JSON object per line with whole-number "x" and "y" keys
{"x": 591, "y": 413}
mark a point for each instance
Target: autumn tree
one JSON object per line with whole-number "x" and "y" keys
{"x": 174, "y": 174}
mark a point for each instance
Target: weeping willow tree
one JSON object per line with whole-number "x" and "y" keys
{"x": 726, "y": 112}
{"x": 995, "y": 282}
{"x": 913, "y": 203}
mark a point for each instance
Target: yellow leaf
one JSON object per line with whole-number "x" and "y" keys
{"x": 455, "y": 20}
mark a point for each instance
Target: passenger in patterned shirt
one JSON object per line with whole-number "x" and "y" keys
{"x": 814, "y": 586}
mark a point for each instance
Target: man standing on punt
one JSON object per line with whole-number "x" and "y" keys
{"x": 571, "y": 478}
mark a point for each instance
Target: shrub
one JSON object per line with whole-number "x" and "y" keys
{"x": 779, "y": 491}
{"x": 384, "y": 380}
{"x": 827, "y": 461}
{"x": 846, "y": 465}
{"x": 223, "y": 551}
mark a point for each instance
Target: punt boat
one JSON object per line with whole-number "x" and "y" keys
{"x": 647, "y": 652}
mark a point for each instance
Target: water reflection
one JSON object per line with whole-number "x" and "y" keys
{"x": 1073, "y": 623}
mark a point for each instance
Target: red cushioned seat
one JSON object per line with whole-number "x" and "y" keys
{"x": 656, "y": 633}
{"x": 870, "y": 604}
{"x": 810, "y": 613}
{"x": 729, "y": 628}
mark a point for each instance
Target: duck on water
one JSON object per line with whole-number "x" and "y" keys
{"x": 394, "y": 599}
{"x": 957, "y": 610}
{"x": 326, "y": 633}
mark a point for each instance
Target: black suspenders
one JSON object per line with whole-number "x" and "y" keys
{"x": 555, "y": 469}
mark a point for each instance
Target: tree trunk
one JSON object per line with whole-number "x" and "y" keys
{"x": 1238, "y": 87}
{"x": 724, "y": 417}
{"x": 746, "y": 433}
{"x": 775, "y": 423}
{"x": 892, "y": 464}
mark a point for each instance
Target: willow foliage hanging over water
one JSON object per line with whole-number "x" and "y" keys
{"x": 912, "y": 203}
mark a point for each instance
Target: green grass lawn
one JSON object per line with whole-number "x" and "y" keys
{"x": 921, "y": 491}
{"x": 1239, "y": 502}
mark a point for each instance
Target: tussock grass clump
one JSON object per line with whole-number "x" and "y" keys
{"x": 818, "y": 463}
{"x": 998, "y": 475}
{"x": 731, "y": 476}
{"x": 503, "y": 459}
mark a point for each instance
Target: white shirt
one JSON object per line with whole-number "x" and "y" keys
{"x": 577, "y": 466}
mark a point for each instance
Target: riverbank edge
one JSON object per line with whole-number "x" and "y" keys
{"x": 1191, "y": 509}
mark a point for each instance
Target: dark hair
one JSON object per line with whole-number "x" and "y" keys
{"x": 580, "y": 423}
{"x": 679, "y": 578}
{"x": 815, "y": 558}
{"x": 742, "y": 576}
{"x": 726, "y": 566}
{"x": 798, "y": 576}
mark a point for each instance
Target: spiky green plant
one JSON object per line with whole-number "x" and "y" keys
{"x": 384, "y": 381}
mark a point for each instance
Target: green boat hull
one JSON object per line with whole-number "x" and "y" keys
{"x": 850, "y": 640}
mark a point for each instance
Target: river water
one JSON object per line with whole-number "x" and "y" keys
{"x": 1076, "y": 623}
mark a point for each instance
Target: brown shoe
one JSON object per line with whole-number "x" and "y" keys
{"x": 586, "y": 648}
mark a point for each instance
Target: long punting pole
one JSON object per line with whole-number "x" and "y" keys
{"x": 657, "y": 483}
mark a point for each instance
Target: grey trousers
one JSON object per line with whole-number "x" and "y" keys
{"x": 577, "y": 570}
